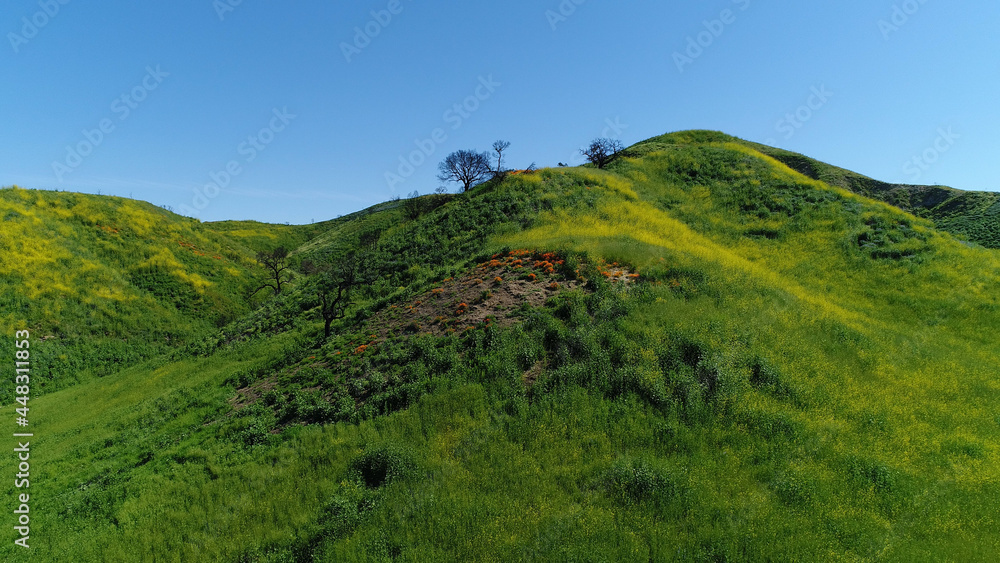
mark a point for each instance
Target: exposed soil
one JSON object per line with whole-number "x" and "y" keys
{"x": 487, "y": 295}
{"x": 529, "y": 377}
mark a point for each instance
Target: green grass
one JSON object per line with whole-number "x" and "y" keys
{"x": 110, "y": 281}
{"x": 800, "y": 373}
{"x": 974, "y": 216}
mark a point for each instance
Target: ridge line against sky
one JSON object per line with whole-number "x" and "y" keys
{"x": 240, "y": 109}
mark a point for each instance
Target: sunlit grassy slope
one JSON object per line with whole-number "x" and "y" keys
{"x": 108, "y": 281}
{"x": 799, "y": 373}
{"x": 972, "y": 215}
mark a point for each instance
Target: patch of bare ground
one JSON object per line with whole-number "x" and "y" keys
{"x": 531, "y": 376}
{"x": 250, "y": 394}
{"x": 488, "y": 295}
{"x": 246, "y": 396}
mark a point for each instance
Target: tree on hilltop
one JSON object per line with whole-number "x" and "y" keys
{"x": 466, "y": 167}
{"x": 500, "y": 173}
{"x": 601, "y": 152}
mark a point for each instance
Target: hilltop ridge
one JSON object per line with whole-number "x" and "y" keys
{"x": 972, "y": 215}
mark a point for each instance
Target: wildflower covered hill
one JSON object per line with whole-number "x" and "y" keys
{"x": 971, "y": 215}
{"x": 697, "y": 353}
{"x": 104, "y": 282}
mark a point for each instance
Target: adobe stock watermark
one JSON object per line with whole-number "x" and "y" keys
{"x": 614, "y": 128}
{"x": 363, "y": 36}
{"x": 916, "y": 166}
{"x": 225, "y": 7}
{"x": 32, "y": 26}
{"x": 901, "y": 14}
{"x": 122, "y": 106}
{"x": 455, "y": 116}
{"x": 562, "y": 13}
{"x": 698, "y": 44}
{"x": 788, "y": 125}
{"x": 249, "y": 149}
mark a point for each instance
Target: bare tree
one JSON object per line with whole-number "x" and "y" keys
{"x": 498, "y": 147}
{"x": 602, "y": 151}
{"x": 334, "y": 281}
{"x": 276, "y": 264}
{"x": 465, "y": 167}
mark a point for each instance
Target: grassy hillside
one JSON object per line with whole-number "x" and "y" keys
{"x": 975, "y": 216}
{"x": 697, "y": 354}
{"x": 104, "y": 282}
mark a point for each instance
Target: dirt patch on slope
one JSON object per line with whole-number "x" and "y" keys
{"x": 489, "y": 294}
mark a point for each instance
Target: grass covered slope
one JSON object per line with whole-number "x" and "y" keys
{"x": 109, "y": 281}
{"x": 796, "y": 373}
{"x": 972, "y": 215}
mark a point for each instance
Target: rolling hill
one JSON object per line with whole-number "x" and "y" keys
{"x": 974, "y": 216}
{"x": 109, "y": 281}
{"x": 709, "y": 351}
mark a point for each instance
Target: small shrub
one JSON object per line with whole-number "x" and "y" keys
{"x": 872, "y": 473}
{"x": 632, "y": 482}
{"x": 382, "y": 465}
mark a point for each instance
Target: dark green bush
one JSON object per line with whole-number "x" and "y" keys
{"x": 635, "y": 481}
{"x": 382, "y": 464}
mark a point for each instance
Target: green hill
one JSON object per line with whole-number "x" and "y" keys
{"x": 974, "y": 216}
{"x": 697, "y": 354}
{"x": 104, "y": 282}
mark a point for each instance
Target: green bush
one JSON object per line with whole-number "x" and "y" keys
{"x": 382, "y": 464}
{"x": 636, "y": 482}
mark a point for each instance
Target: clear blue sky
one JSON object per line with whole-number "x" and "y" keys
{"x": 206, "y": 88}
